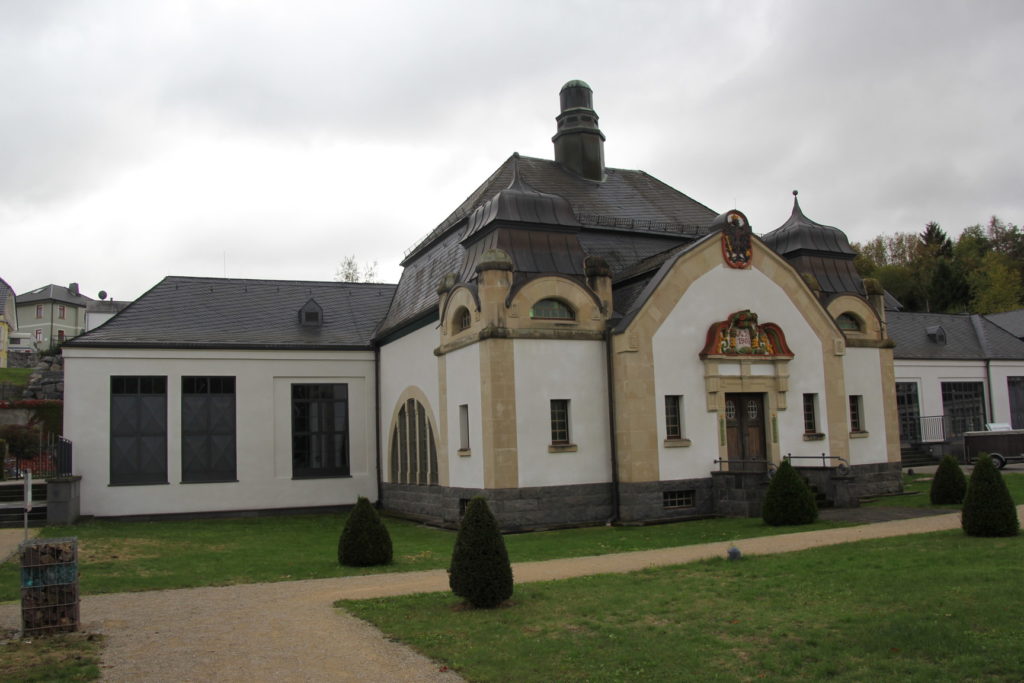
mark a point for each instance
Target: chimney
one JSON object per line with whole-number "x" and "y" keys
{"x": 73, "y": 288}
{"x": 579, "y": 143}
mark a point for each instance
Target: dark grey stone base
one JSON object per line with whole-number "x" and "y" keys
{"x": 548, "y": 507}
{"x": 63, "y": 500}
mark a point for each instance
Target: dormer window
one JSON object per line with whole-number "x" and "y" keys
{"x": 311, "y": 314}
{"x": 462, "y": 319}
{"x": 936, "y": 335}
{"x": 847, "y": 322}
{"x": 552, "y": 309}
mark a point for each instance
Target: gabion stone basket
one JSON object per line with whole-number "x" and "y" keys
{"x": 49, "y": 586}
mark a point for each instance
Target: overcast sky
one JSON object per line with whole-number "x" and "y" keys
{"x": 271, "y": 139}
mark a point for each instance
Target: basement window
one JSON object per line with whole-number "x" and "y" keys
{"x": 675, "y": 500}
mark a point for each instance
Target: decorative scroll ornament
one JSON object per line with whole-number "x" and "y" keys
{"x": 741, "y": 335}
{"x": 736, "y": 242}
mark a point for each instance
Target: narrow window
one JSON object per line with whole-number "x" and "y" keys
{"x": 62, "y": 312}
{"x": 856, "y": 408}
{"x": 464, "y": 428}
{"x": 207, "y": 429}
{"x": 559, "y": 421}
{"x": 551, "y": 309}
{"x": 60, "y": 335}
{"x": 810, "y": 413}
{"x": 138, "y": 430}
{"x": 39, "y": 335}
{"x": 39, "y": 310}
{"x": 320, "y": 430}
{"x": 462, "y": 319}
{"x": 674, "y": 417}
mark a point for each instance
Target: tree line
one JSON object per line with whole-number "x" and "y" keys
{"x": 982, "y": 271}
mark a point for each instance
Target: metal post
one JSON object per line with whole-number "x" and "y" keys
{"x": 28, "y": 499}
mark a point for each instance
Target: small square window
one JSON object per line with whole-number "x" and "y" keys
{"x": 559, "y": 421}
{"x": 674, "y": 500}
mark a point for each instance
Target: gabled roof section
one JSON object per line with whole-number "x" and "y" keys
{"x": 8, "y": 308}
{"x": 53, "y": 293}
{"x": 967, "y": 337}
{"x": 627, "y": 217}
{"x": 221, "y": 313}
{"x": 1011, "y": 321}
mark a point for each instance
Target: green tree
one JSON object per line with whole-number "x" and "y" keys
{"x": 995, "y": 286}
{"x": 988, "y": 507}
{"x": 949, "y": 483}
{"x": 480, "y": 571}
{"x": 949, "y": 291}
{"x": 789, "y": 499}
{"x": 365, "y": 541}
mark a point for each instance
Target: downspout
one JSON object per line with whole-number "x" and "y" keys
{"x": 988, "y": 390}
{"x": 613, "y": 450}
{"x": 376, "y": 421}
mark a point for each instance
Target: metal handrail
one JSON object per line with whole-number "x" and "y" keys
{"x": 843, "y": 466}
{"x": 765, "y": 465}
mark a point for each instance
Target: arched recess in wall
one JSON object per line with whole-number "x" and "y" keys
{"x": 413, "y": 446}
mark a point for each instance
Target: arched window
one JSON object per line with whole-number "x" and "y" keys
{"x": 462, "y": 319}
{"x": 848, "y": 323}
{"x": 413, "y": 450}
{"x": 552, "y": 309}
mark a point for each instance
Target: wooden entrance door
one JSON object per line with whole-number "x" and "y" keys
{"x": 745, "y": 430}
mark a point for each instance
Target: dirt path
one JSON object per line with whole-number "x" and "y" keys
{"x": 290, "y": 632}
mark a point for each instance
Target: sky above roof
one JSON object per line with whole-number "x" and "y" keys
{"x": 264, "y": 139}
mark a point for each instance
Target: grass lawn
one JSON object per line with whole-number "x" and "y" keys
{"x": 931, "y": 607}
{"x": 64, "y": 657}
{"x": 921, "y": 484}
{"x": 136, "y": 556}
{"x": 16, "y": 376}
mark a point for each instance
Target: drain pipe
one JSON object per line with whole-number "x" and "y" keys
{"x": 376, "y": 422}
{"x": 613, "y": 450}
{"x": 988, "y": 386}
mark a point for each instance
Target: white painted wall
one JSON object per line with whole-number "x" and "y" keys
{"x": 679, "y": 370}
{"x": 930, "y": 374}
{"x": 862, "y": 368}
{"x": 463, "y": 377}
{"x": 408, "y": 362}
{"x": 549, "y": 369}
{"x": 263, "y": 421}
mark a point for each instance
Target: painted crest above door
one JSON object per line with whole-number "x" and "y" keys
{"x": 741, "y": 335}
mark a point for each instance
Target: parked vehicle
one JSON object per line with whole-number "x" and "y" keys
{"x": 1003, "y": 445}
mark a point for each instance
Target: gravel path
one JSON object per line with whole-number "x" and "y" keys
{"x": 289, "y": 631}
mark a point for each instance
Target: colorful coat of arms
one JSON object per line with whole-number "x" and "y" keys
{"x": 736, "y": 242}
{"x": 741, "y": 335}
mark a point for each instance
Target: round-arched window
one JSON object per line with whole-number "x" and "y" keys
{"x": 463, "y": 319}
{"x": 848, "y": 322}
{"x": 552, "y": 309}
{"x": 413, "y": 449}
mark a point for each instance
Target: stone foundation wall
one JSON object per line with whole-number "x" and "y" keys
{"x": 878, "y": 479}
{"x": 646, "y": 501}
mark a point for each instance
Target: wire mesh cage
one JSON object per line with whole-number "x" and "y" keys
{"x": 49, "y": 586}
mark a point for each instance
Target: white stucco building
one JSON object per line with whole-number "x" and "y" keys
{"x": 575, "y": 342}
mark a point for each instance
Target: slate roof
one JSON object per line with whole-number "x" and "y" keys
{"x": 799, "y": 233}
{"x": 968, "y": 337}
{"x": 53, "y": 293}
{"x": 627, "y": 217}
{"x": 7, "y": 292}
{"x": 1011, "y": 321}
{"x": 196, "y": 312}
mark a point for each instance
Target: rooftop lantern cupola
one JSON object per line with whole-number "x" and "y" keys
{"x": 579, "y": 143}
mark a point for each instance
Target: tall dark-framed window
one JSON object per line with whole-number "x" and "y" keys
{"x": 963, "y": 406}
{"x": 856, "y": 413}
{"x": 673, "y": 417}
{"x": 320, "y": 430}
{"x": 138, "y": 430}
{"x": 909, "y": 411}
{"x": 559, "y": 421}
{"x": 413, "y": 449}
{"x": 207, "y": 429}
{"x": 810, "y": 413}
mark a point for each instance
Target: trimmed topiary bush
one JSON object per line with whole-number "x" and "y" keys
{"x": 988, "y": 507}
{"x": 789, "y": 500}
{"x": 480, "y": 571}
{"x": 365, "y": 540}
{"x": 949, "y": 484}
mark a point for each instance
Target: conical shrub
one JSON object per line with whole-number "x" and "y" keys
{"x": 365, "y": 540}
{"x": 789, "y": 499}
{"x": 949, "y": 484}
{"x": 988, "y": 507}
{"x": 480, "y": 571}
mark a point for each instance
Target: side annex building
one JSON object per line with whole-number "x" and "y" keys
{"x": 577, "y": 343}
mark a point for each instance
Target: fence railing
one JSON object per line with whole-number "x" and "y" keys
{"x": 936, "y": 428}
{"x": 52, "y": 460}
